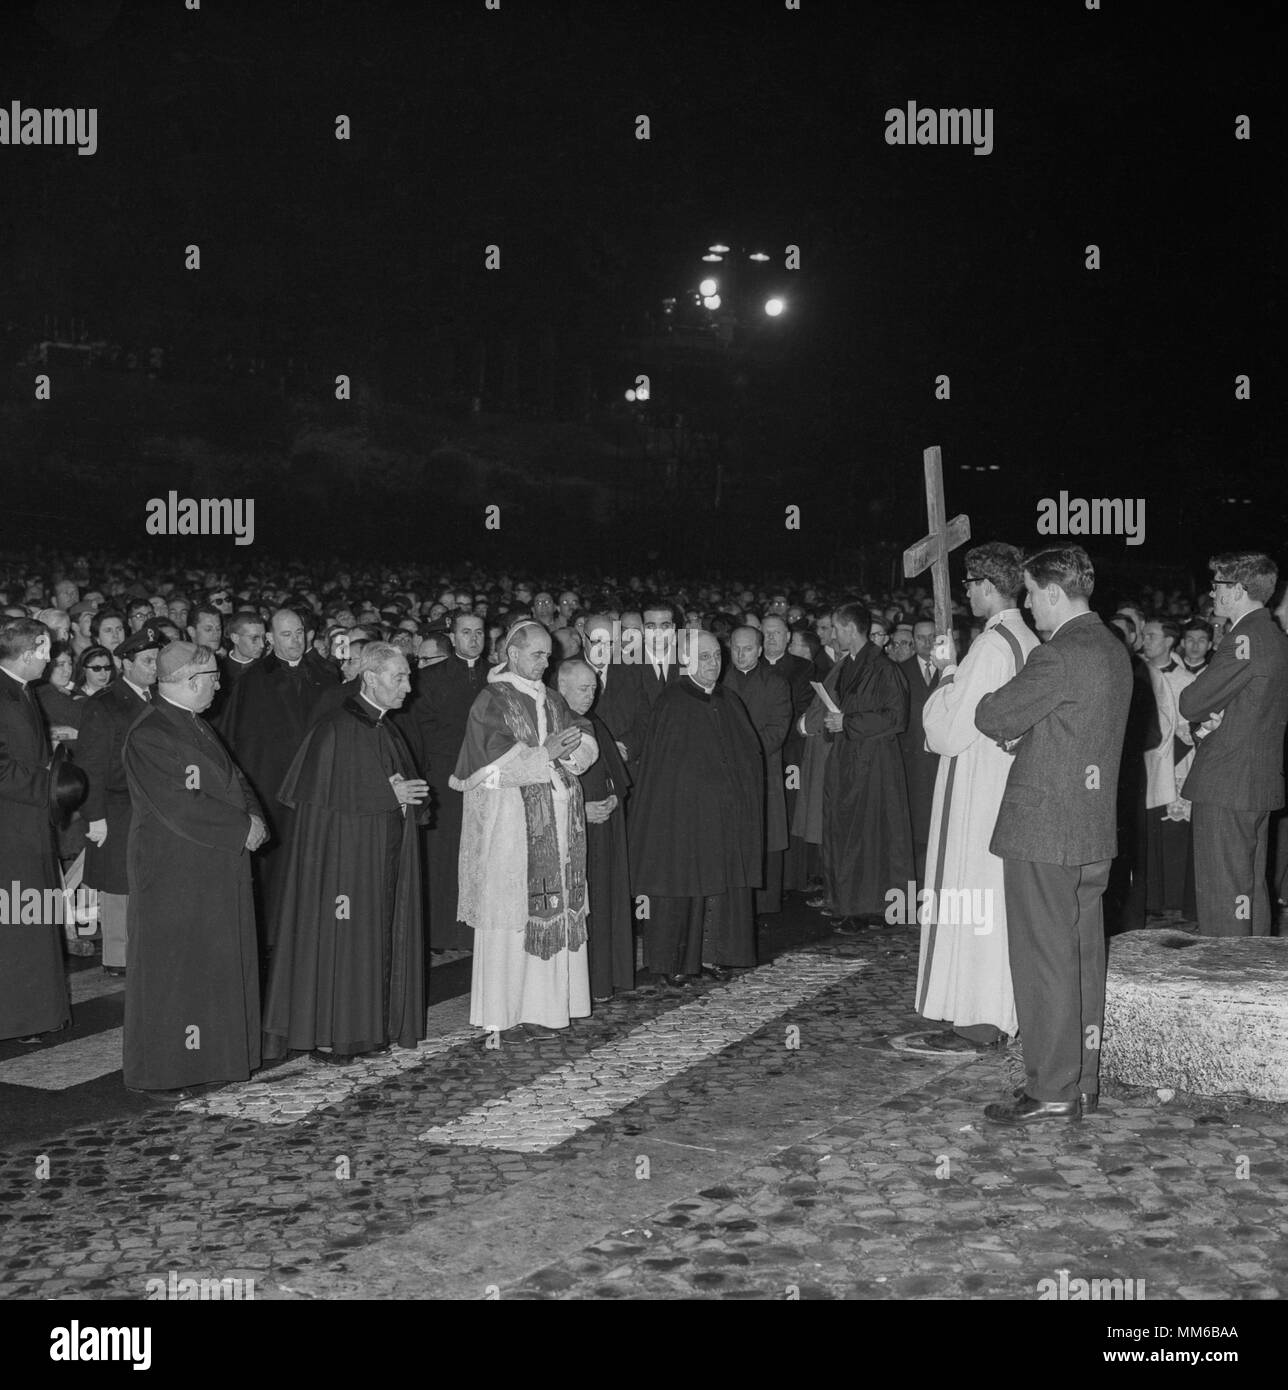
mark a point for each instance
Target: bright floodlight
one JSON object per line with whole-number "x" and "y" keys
{"x": 711, "y": 256}
{"x": 708, "y": 286}
{"x": 711, "y": 301}
{"x": 630, "y": 395}
{"x": 757, "y": 256}
{"x": 720, "y": 248}
{"x": 641, "y": 393}
{"x": 774, "y": 307}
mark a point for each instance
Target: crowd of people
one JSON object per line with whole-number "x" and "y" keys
{"x": 285, "y": 792}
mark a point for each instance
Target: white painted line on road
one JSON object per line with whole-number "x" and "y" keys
{"x": 69, "y": 1064}
{"x": 562, "y": 1103}
{"x": 288, "y": 1093}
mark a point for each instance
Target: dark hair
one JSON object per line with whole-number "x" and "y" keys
{"x": 1198, "y": 625}
{"x": 660, "y": 605}
{"x": 242, "y": 619}
{"x": 83, "y": 660}
{"x": 19, "y": 636}
{"x": 96, "y": 626}
{"x": 1001, "y": 564}
{"x": 852, "y": 613}
{"x": 1171, "y": 628}
{"x": 1068, "y": 567}
{"x": 810, "y": 638}
{"x": 198, "y": 609}
{"x": 1256, "y": 571}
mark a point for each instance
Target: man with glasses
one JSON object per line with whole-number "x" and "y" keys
{"x": 191, "y": 987}
{"x": 1240, "y": 702}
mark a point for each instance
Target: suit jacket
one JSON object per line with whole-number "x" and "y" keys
{"x": 1068, "y": 707}
{"x": 1240, "y": 764}
{"x": 920, "y": 766}
{"x": 105, "y": 721}
{"x": 623, "y": 708}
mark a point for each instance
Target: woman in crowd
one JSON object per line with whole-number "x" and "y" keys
{"x": 94, "y": 670}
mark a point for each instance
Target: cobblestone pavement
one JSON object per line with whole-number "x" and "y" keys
{"x": 759, "y": 1139}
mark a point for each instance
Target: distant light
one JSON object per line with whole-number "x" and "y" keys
{"x": 708, "y": 286}
{"x": 720, "y": 248}
{"x": 641, "y": 393}
{"x": 774, "y": 307}
{"x": 757, "y": 256}
{"x": 979, "y": 468}
{"x": 711, "y": 301}
{"x": 1247, "y": 501}
{"x": 994, "y": 467}
{"x": 630, "y": 395}
{"x": 711, "y": 256}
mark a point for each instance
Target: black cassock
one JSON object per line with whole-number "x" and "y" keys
{"x": 867, "y": 829}
{"x": 263, "y": 721}
{"x": 696, "y": 829}
{"x": 608, "y": 925}
{"x": 33, "y": 990}
{"x": 347, "y": 970}
{"x": 434, "y": 725}
{"x": 191, "y": 958}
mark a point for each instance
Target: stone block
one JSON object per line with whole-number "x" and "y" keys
{"x": 1203, "y": 1014}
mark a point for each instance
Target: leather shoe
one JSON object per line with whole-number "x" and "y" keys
{"x": 820, "y": 900}
{"x": 113, "y": 970}
{"x": 334, "y": 1059}
{"x": 1090, "y": 1102}
{"x": 849, "y": 926}
{"x": 1027, "y": 1111}
{"x": 947, "y": 1041}
{"x": 539, "y": 1030}
{"x": 715, "y": 972}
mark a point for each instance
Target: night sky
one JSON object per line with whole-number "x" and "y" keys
{"x": 517, "y": 127}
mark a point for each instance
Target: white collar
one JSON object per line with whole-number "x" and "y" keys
{"x": 380, "y": 713}
{"x": 535, "y": 689}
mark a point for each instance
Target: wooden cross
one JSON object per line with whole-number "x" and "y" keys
{"x": 931, "y": 551}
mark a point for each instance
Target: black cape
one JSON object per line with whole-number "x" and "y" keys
{"x": 696, "y": 824}
{"x": 347, "y": 971}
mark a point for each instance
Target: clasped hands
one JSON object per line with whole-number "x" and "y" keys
{"x": 410, "y": 791}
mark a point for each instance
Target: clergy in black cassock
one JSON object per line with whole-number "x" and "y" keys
{"x": 347, "y": 971}
{"x": 603, "y": 787}
{"x": 434, "y": 723}
{"x": 263, "y": 722}
{"x": 192, "y": 977}
{"x": 33, "y": 990}
{"x": 696, "y": 833}
{"x": 768, "y": 699}
{"x": 867, "y": 829}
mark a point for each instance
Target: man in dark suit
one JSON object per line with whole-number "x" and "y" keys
{"x": 33, "y": 990}
{"x": 661, "y": 666}
{"x": 920, "y": 765}
{"x": 434, "y": 724}
{"x": 1057, "y": 831}
{"x": 1240, "y": 702}
{"x": 105, "y": 721}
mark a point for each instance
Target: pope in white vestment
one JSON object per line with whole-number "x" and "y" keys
{"x": 964, "y": 970}
{"x": 523, "y": 845}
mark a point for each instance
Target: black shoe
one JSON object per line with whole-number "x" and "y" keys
{"x": 715, "y": 972}
{"x": 114, "y": 970}
{"x": 850, "y": 926}
{"x": 539, "y": 1030}
{"x": 1027, "y": 1111}
{"x": 334, "y": 1059}
{"x": 1090, "y": 1101}
{"x": 819, "y": 900}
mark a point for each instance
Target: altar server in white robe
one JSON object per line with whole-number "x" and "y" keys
{"x": 523, "y": 847}
{"x": 964, "y": 971}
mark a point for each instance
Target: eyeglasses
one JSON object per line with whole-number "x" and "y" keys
{"x": 974, "y": 579}
{"x": 211, "y": 671}
{"x": 1230, "y": 583}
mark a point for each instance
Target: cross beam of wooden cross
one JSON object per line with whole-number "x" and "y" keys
{"x": 931, "y": 551}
